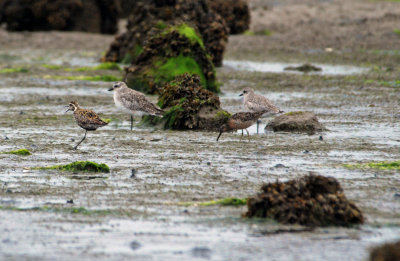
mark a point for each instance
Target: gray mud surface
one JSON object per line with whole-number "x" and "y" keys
{"x": 116, "y": 217}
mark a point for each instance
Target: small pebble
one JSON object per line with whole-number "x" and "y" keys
{"x": 70, "y": 201}
{"x": 21, "y": 112}
{"x": 321, "y": 138}
{"x": 208, "y": 163}
{"x": 133, "y": 173}
{"x": 8, "y": 191}
{"x": 279, "y": 165}
{"x": 396, "y": 195}
{"x": 6, "y": 138}
{"x": 306, "y": 152}
{"x": 135, "y": 245}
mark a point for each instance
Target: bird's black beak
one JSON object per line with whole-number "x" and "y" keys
{"x": 111, "y": 89}
{"x": 241, "y": 94}
{"x": 68, "y": 109}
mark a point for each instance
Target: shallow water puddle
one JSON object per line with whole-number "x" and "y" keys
{"x": 276, "y": 67}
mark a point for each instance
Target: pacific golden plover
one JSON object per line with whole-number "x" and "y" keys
{"x": 86, "y": 119}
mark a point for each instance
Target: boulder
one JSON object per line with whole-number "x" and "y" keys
{"x": 147, "y": 15}
{"x": 171, "y": 50}
{"x": 297, "y": 121}
{"x": 235, "y": 13}
{"x": 188, "y": 106}
{"x": 312, "y": 200}
{"x": 97, "y": 16}
{"x": 386, "y": 252}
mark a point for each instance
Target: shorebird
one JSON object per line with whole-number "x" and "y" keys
{"x": 86, "y": 119}
{"x": 133, "y": 102}
{"x": 257, "y": 103}
{"x": 240, "y": 121}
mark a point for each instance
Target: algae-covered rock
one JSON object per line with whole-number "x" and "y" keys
{"x": 298, "y": 121}
{"x": 235, "y": 13}
{"x": 188, "y": 106}
{"x": 312, "y": 200}
{"x": 97, "y": 16}
{"x": 386, "y": 252}
{"x": 169, "y": 52}
{"x": 305, "y": 68}
{"x": 147, "y": 15}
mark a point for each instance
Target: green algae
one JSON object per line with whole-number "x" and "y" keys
{"x": 223, "y": 202}
{"x": 179, "y": 65}
{"x": 190, "y": 33}
{"x": 397, "y": 31}
{"x": 14, "y": 70}
{"x": 96, "y": 78}
{"x": 52, "y": 66}
{"x": 393, "y": 84}
{"x": 80, "y": 166}
{"x": 71, "y": 210}
{"x": 106, "y": 120}
{"x": 22, "y": 152}
{"x": 292, "y": 113}
{"x": 384, "y": 165}
{"x": 103, "y": 66}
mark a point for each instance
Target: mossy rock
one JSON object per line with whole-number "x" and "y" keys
{"x": 80, "y": 166}
{"x": 298, "y": 121}
{"x": 147, "y": 15}
{"x": 171, "y": 51}
{"x": 188, "y": 106}
{"x": 312, "y": 200}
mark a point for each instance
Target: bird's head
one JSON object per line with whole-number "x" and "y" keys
{"x": 246, "y": 92}
{"x": 117, "y": 85}
{"x": 72, "y": 106}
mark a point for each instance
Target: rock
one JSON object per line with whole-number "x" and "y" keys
{"x": 235, "y": 13}
{"x": 305, "y": 68}
{"x": 188, "y": 106}
{"x": 298, "y": 121}
{"x": 147, "y": 15}
{"x": 134, "y": 245}
{"x": 312, "y": 200}
{"x": 201, "y": 252}
{"x": 386, "y": 252}
{"x": 97, "y": 16}
{"x": 169, "y": 52}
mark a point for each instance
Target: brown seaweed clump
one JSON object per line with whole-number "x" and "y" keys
{"x": 298, "y": 121}
{"x": 97, "y": 16}
{"x": 235, "y": 13}
{"x": 386, "y": 252}
{"x": 312, "y": 200}
{"x": 189, "y": 106}
{"x": 147, "y": 15}
{"x": 169, "y": 52}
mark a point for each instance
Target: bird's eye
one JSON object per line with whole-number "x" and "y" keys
{"x": 244, "y": 91}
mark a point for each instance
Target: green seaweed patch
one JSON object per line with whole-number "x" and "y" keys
{"x": 14, "y": 70}
{"x": 384, "y": 165}
{"x": 51, "y": 66}
{"x": 222, "y": 202}
{"x": 22, "y": 152}
{"x": 397, "y": 31}
{"x": 80, "y": 166}
{"x": 250, "y": 33}
{"x": 71, "y": 210}
{"x": 174, "y": 66}
{"x": 187, "y": 31}
{"x": 293, "y": 113}
{"x": 394, "y": 84}
{"x": 103, "y": 66}
{"x": 106, "y": 120}
{"x": 96, "y": 78}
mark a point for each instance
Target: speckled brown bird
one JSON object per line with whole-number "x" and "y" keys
{"x": 86, "y": 119}
{"x": 133, "y": 102}
{"x": 240, "y": 121}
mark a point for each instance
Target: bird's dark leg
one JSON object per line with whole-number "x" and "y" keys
{"x": 258, "y": 124}
{"x": 241, "y": 136}
{"x": 131, "y": 122}
{"x": 220, "y": 132}
{"x": 84, "y": 137}
{"x": 248, "y": 135}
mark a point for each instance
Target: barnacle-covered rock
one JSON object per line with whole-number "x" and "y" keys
{"x": 147, "y": 15}
{"x": 171, "y": 51}
{"x": 235, "y": 13}
{"x": 298, "y": 121}
{"x": 97, "y": 16}
{"x": 188, "y": 106}
{"x": 312, "y": 200}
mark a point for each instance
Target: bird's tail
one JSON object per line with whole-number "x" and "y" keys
{"x": 159, "y": 112}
